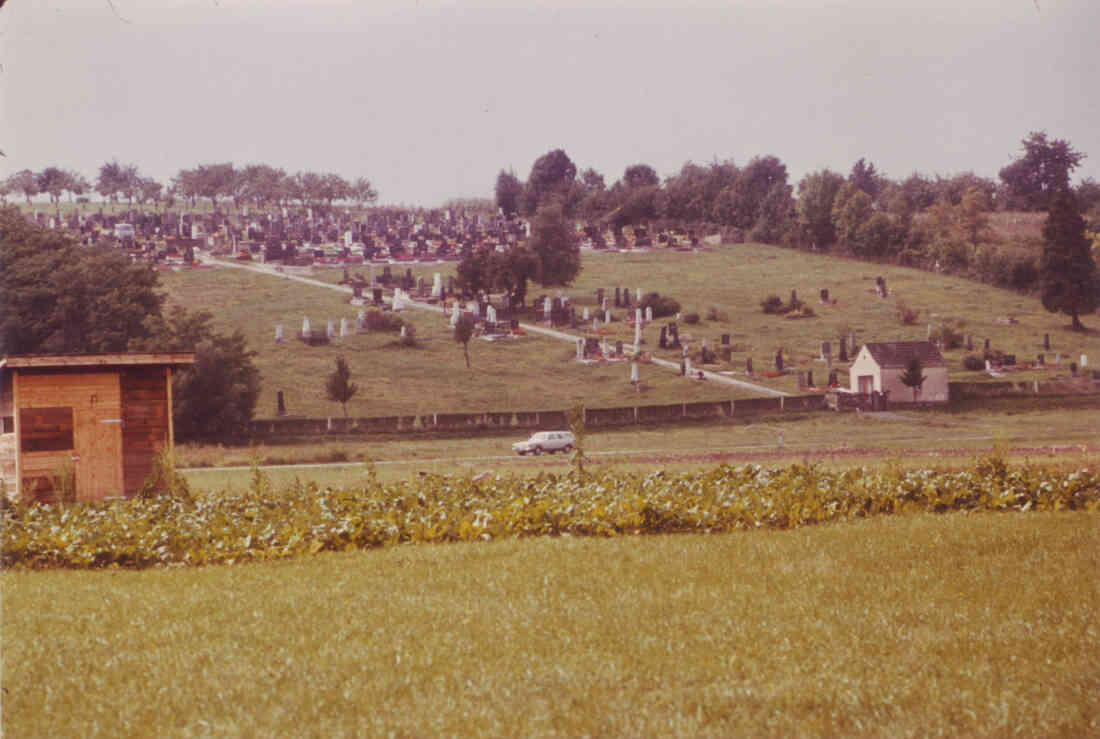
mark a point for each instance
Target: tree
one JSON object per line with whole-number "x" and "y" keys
{"x": 864, "y": 177}
{"x": 1067, "y": 272}
{"x": 53, "y": 181}
{"x": 78, "y": 184}
{"x": 816, "y": 193}
{"x": 186, "y": 184}
{"x": 148, "y": 190}
{"x": 555, "y": 246}
{"x": 912, "y": 376}
{"x": 464, "y": 331}
{"x": 212, "y": 180}
{"x": 362, "y": 192}
{"x": 1036, "y": 178}
{"x": 640, "y": 175}
{"x": 216, "y": 396}
{"x": 115, "y": 178}
{"x": 56, "y": 297}
{"x": 509, "y": 190}
{"x": 852, "y": 208}
{"x": 339, "y": 387}
{"x": 552, "y": 173}
{"x": 25, "y": 182}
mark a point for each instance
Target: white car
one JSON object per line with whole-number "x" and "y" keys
{"x": 546, "y": 441}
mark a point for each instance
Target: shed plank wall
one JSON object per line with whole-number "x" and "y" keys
{"x": 145, "y": 422}
{"x": 94, "y": 398}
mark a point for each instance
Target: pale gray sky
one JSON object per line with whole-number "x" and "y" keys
{"x": 431, "y": 99}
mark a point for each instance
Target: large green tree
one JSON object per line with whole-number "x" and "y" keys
{"x": 1067, "y": 271}
{"x": 816, "y": 193}
{"x": 509, "y": 191}
{"x": 216, "y": 396}
{"x": 1036, "y": 178}
{"x": 554, "y": 245}
{"x": 56, "y": 297}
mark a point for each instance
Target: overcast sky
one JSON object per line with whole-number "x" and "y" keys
{"x": 431, "y": 99}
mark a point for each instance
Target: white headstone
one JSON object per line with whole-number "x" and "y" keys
{"x": 580, "y": 349}
{"x": 491, "y": 314}
{"x": 547, "y": 305}
{"x": 607, "y": 316}
{"x": 475, "y": 308}
{"x": 331, "y": 329}
{"x": 649, "y": 314}
{"x": 403, "y": 331}
{"x": 634, "y": 373}
{"x": 687, "y": 365}
{"x": 585, "y": 317}
{"x": 638, "y": 293}
{"x": 595, "y": 324}
{"x": 361, "y": 320}
{"x": 437, "y": 285}
{"x": 305, "y": 326}
{"x": 343, "y": 327}
{"x": 1084, "y": 361}
{"x": 278, "y": 333}
{"x": 603, "y": 306}
{"x": 455, "y": 312}
{"x": 638, "y": 335}
{"x": 988, "y": 365}
{"x": 347, "y": 239}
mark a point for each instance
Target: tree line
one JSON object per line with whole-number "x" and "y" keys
{"x": 939, "y": 222}
{"x": 256, "y": 184}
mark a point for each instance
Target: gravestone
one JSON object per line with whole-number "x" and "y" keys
{"x": 748, "y": 365}
{"x": 331, "y": 333}
{"x": 663, "y": 342}
{"x": 826, "y": 350}
{"x": 618, "y": 348}
{"x": 633, "y": 373}
{"x": 618, "y": 298}
{"x": 969, "y": 343}
{"x": 1041, "y": 360}
{"x": 305, "y": 327}
{"x": 843, "y": 354}
{"x": 626, "y": 298}
{"x": 824, "y": 295}
{"x": 343, "y": 328}
{"x": 599, "y": 297}
{"x": 649, "y": 314}
{"x": 278, "y": 333}
{"x": 779, "y": 361}
{"x": 585, "y": 315}
{"x": 607, "y": 316}
{"x": 809, "y": 378}
{"x": 280, "y": 408}
{"x": 377, "y": 296}
{"x": 580, "y": 349}
{"x": 801, "y": 379}
{"x": 833, "y": 379}
{"x": 725, "y": 339}
{"x": 1046, "y": 342}
{"x": 1073, "y": 368}
{"x": 1084, "y": 361}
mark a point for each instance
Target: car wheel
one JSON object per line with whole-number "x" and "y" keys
{"x": 521, "y": 453}
{"x": 567, "y": 448}
{"x": 538, "y": 451}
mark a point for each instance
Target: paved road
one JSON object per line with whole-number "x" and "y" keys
{"x": 528, "y": 327}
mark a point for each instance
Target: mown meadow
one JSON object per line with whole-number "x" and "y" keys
{"x": 965, "y": 624}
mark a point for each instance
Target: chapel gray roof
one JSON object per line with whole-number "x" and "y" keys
{"x": 900, "y": 353}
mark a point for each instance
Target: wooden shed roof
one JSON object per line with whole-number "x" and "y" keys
{"x": 900, "y": 353}
{"x": 80, "y": 361}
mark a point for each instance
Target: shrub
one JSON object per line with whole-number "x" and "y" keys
{"x": 807, "y": 311}
{"x": 691, "y": 318}
{"x": 662, "y": 305}
{"x": 973, "y": 362}
{"x": 376, "y": 320}
{"x": 949, "y": 333}
{"x": 907, "y": 315}
{"x": 714, "y": 314}
{"x": 772, "y": 304}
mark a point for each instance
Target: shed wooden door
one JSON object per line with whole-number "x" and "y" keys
{"x": 99, "y": 438}
{"x": 866, "y": 384}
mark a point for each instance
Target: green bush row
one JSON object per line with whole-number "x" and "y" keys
{"x": 264, "y": 524}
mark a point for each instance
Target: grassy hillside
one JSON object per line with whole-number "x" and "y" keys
{"x": 960, "y": 625}
{"x": 538, "y": 373}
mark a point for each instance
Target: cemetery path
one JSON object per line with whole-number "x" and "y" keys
{"x": 528, "y": 327}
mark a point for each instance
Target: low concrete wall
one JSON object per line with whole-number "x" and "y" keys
{"x": 273, "y": 428}
{"x": 1084, "y": 385}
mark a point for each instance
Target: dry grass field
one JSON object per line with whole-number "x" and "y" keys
{"x": 909, "y": 626}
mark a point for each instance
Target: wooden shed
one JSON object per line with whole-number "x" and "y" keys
{"x": 96, "y": 420}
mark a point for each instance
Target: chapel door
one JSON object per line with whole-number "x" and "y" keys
{"x": 866, "y": 384}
